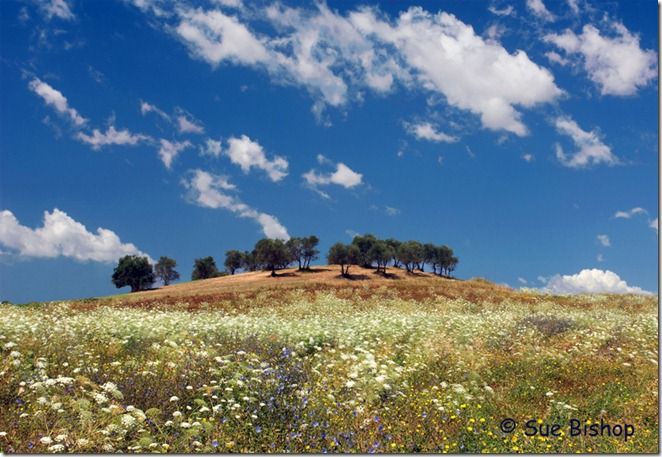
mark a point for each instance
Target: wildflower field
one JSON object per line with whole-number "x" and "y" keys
{"x": 324, "y": 369}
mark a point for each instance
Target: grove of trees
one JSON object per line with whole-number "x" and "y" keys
{"x": 272, "y": 255}
{"x": 369, "y": 251}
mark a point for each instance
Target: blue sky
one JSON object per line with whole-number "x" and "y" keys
{"x": 521, "y": 133}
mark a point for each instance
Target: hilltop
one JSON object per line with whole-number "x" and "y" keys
{"x": 234, "y": 292}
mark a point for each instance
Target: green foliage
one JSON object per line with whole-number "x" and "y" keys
{"x": 233, "y": 260}
{"x": 135, "y": 272}
{"x": 380, "y": 253}
{"x": 344, "y": 255}
{"x": 204, "y": 268}
{"x": 364, "y": 243}
{"x": 272, "y": 254}
{"x": 165, "y": 270}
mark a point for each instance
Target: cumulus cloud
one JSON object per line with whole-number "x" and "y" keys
{"x": 528, "y": 157}
{"x": 604, "y": 240}
{"x": 54, "y": 98}
{"x": 211, "y": 148}
{"x": 335, "y": 57}
{"x": 426, "y": 131}
{"x": 449, "y": 58}
{"x": 592, "y": 151}
{"x": 538, "y": 8}
{"x": 629, "y": 213}
{"x": 616, "y": 64}
{"x": 56, "y": 8}
{"x": 214, "y": 36}
{"x": 111, "y": 136}
{"x": 185, "y": 125}
{"x": 555, "y": 57}
{"x": 170, "y": 149}
{"x": 590, "y": 281}
{"x": 208, "y": 190}
{"x": 654, "y": 225}
{"x": 342, "y": 176}
{"x": 248, "y": 154}
{"x": 62, "y": 236}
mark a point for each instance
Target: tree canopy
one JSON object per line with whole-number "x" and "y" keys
{"x": 165, "y": 270}
{"x": 135, "y": 272}
{"x": 204, "y": 268}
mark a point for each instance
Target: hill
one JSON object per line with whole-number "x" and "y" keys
{"x": 243, "y": 290}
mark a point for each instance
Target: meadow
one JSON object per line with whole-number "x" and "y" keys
{"x": 378, "y": 368}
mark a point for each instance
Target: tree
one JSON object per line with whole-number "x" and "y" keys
{"x": 364, "y": 243}
{"x": 344, "y": 255}
{"x": 410, "y": 254}
{"x": 249, "y": 261}
{"x": 429, "y": 252}
{"x": 272, "y": 254}
{"x": 394, "y": 245}
{"x": 310, "y": 251}
{"x": 381, "y": 253}
{"x": 295, "y": 248}
{"x": 233, "y": 260}
{"x": 165, "y": 270}
{"x": 204, "y": 268}
{"x": 133, "y": 271}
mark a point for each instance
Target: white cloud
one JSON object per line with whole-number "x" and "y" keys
{"x": 62, "y": 236}
{"x": 449, "y": 58}
{"x": 590, "y": 281}
{"x": 391, "y": 211}
{"x": 604, "y": 240}
{"x": 112, "y": 136}
{"x": 616, "y": 64}
{"x": 592, "y": 151}
{"x": 528, "y": 158}
{"x": 629, "y": 213}
{"x": 522, "y": 280}
{"x": 342, "y": 176}
{"x": 250, "y": 154}
{"x": 170, "y": 149}
{"x": 56, "y": 8}
{"x": 335, "y": 57}
{"x": 539, "y": 9}
{"x": 146, "y": 107}
{"x": 55, "y": 99}
{"x": 211, "y": 148}
{"x": 574, "y": 6}
{"x": 555, "y": 57}
{"x": 505, "y": 11}
{"x": 426, "y": 131}
{"x": 600, "y": 258}
{"x": 207, "y": 190}
{"x": 214, "y": 36}
{"x": 187, "y": 126}
{"x": 654, "y": 225}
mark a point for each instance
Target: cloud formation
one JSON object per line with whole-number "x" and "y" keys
{"x": 185, "y": 125}
{"x": 56, "y": 8}
{"x": 590, "y": 281}
{"x": 62, "y": 236}
{"x": 604, "y": 240}
{"x": 426, "y": 131}
{"x": 208, "y": 190}
{"x": 248, "y": 154}
{"x": 592, "y": 151}
{"x": 616, "y": 64}
{"x": 170, "y": 149}
{"x": 538, "y": 8}
{"x": 629, "y": 213}
{"x": 336, "y": 57}
{"x": 111, "y": 136}
{"x": 54, "y": 98}
{"x": 342, "y": 176}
